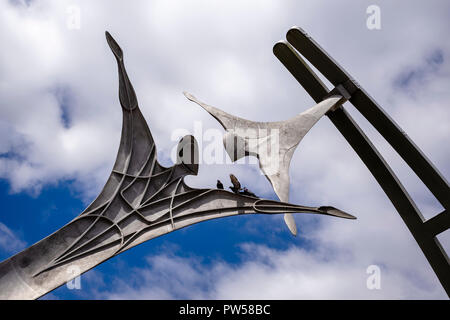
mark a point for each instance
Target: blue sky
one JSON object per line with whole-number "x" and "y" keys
{"x": 60, "y": 131}
{"x": 37, "y": 216}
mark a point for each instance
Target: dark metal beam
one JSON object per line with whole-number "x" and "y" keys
{"x": 423, "y": 233}
{"x": 399, "y": 197}
{"x": 367, "y": 106}
{"x": 438, "y": 223}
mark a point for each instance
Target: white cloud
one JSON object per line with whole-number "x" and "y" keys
{"x": 267, "y": 274}
{"x": 9, "y": 241}
{"x": 221, "y": 52}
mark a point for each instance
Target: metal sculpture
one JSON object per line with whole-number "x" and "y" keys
{"x": 141, "y": 200}
{"x": 244, "y": 137}
{"x": 423, "y": 231}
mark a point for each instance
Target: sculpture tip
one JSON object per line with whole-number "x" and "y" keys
{"x": 279, "y": 45}
{"x": 115, "y": 48}
{"x": 290, "y": 223}
{"x": 336, "y": 212}
{"x": 296, "y": 29}
{"x": 189, "y": 96}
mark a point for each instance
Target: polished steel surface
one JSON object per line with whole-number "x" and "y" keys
{"x": 141, "y": 200}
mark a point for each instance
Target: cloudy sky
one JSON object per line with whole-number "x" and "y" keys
{"x": 60, "y": 123}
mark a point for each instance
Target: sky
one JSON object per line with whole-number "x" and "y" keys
{"x": 60, "y": 123}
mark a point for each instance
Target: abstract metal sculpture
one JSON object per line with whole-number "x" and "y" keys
{"x": 141, "y": 200}
{"x": 244, "y": 137}
{"x": 423, "y": 231}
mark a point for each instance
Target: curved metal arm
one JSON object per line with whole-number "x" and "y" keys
{"x": 140, "y": 201}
